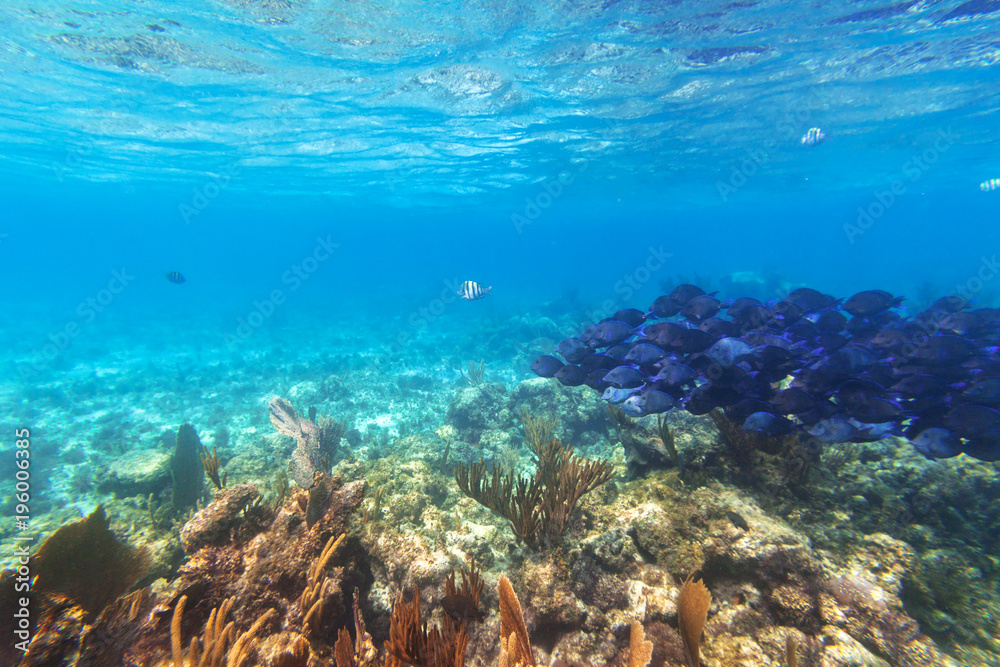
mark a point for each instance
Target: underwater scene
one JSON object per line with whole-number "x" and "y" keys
{"x": 515, "y": 334}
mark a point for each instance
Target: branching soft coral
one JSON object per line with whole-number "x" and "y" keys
{"x": 541, "y": 508}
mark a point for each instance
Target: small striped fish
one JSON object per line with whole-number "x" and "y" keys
{"x": 175, "y": 277}
{"x": 470, "y": 291}
{"x": 990, "y": 185}
{"x": 813, "y": 137}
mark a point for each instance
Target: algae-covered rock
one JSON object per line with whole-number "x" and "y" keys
{"x": 952, "y": 599}
{"x": 841, "y": 649}
{"x": 496, "y": 441}
{"x": 305, "y": 393}
{"x": 666, "y": 540}
{"x": 475, "y": 409}
{"x": 549, "y": 596}
{"x": 136, "y": 473}
{"x": 212, "y": 524}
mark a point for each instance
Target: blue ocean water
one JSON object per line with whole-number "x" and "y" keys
{"x": 221, "y": 141}
{"x": 325, "y": 174}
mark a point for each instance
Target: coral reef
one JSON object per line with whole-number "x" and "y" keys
{"x": 854, "y": 554}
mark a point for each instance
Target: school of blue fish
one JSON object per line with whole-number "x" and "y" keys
{"x": 854, "y": 370}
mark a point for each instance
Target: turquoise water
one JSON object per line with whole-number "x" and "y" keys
{"x": 220, "y": 141}
{"x": 325, "y": 175}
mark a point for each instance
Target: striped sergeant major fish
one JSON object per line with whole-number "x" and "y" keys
{"x": 470, "y": 290}
{"x": 990, "y": 185}
{"x": 813, "y": 137}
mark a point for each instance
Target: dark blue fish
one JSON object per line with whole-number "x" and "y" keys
{"x": 972, "y": 420}
{"x": 831, "y": 321}
{"x": 881, "y": 372}
{"x": 721, "y": 328}
{"x": 664, "y": 334}
{"x": 595, "y": 380}
{"x": 986, "y": 392}
{"x": 771, "y": 356}
{"x": 768, "y": 424}
{"x": 719, "y": 374}
{"x": 809, "y": 300}
{"x": 647, "y": 403}
{"x": 727, "y": 351}
{"x": 916, "y": 385}
{"x": 823, "y": 410}
{"x": 700, "y": 308}
{"x": 675, "y": 373}
{"x": 985, "y": 447}
{"x": 877, "y": 374}
{"x": 616, "y": 395}
{"x": 937, "y": 443}
{"x": 625, "y": 377}
{"x": 858, "y": 390}
{"x": 644, "y": 354}
{"x": 738, "y": 413}
{"x": 874, "y": 410}
{"x": 694, "y": 340}
{"x": 803, "y": 331}
{"x": 571, "y": 376}
{"x": 573, "y": 350}
{"x": 664, "y": 306}
{"x": 835, "y": 430}
{"x": 949, "y": 304}
{"x": 610, "y": 332}
{"x": 758, "y": 338}
{"x": 962, "y": 324}
{"x": 546, "y": 366}
{"x": 943, "y": 350}
{"x": 593, "y": 362}
{"x": 818, "y": 380}
{"x": 706, "y": 397}
{"x": 862, "y": 327}
{"x": 892, "y": 339}
{"x": 743, "y": 310}
{"x": 175, "y": 277}
{"x": 871, "y": 302}
{"x": 988, "y": 315}
{"x": 630, "y": 316}
{"x": 827, "y": 343}
{"x": 787, "y": 313}
{"x": 682, "y": 294}
{"x": 850, "y": 360}
{"x": 792, "y": 401}
{"x": 653, "y": 401}
{"x": 618, "y": 352}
